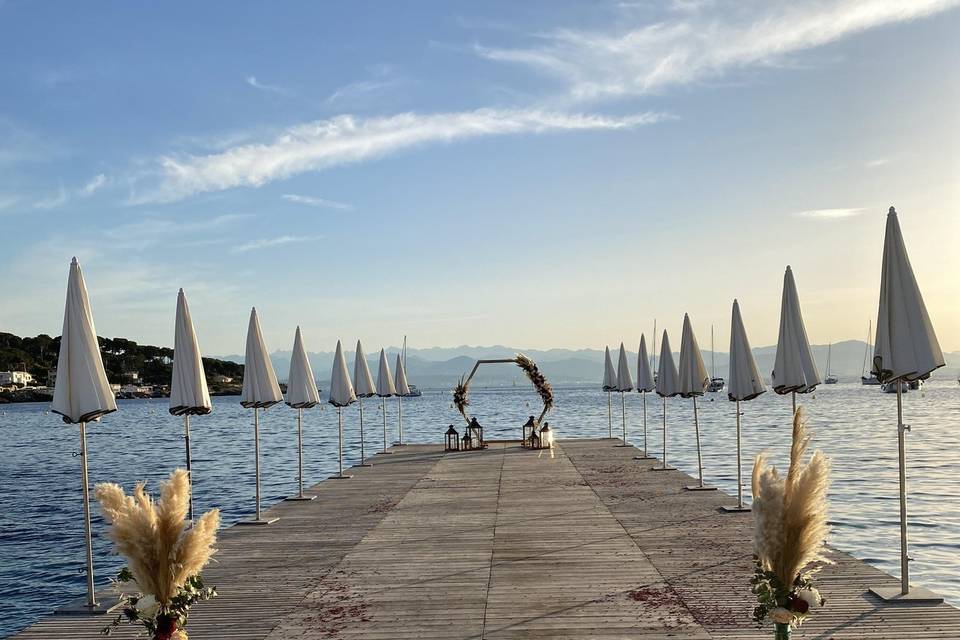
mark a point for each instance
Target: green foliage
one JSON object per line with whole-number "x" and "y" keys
{"x": 159, "y": 621}
{"x": 772, "y": 594}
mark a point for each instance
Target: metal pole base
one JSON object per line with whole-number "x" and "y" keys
{"x": 917, "y": 595}
{"x": 363, "y": 464}
{"x": 107, "y": 602}
{"x": 399, "y": 444}
{"x": 255, "y": 521}
{"x": 339, "y": 476}
{"x": 644, "y": 457}
{"x": 666, "y": 468}
{"x": 300, "y": 498}
{"x": 696, "y": 487}
{"x": 735, "y": 509}
{"x": 623, "y": 444}
{"x": 384, "y": 453}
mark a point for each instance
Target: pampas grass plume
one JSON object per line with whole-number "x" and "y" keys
{"x": 153, "y": 536}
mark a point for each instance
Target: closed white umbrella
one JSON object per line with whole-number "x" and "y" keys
{"x": 794, "y": 370}
{"x": 341, "y": 395}
{"x": 301, "y": 394}
{"x": 188, "y": 388}
{"x": 645, "y": 385}
{"x": 693, "y": 382}
{"x": 743, "y": 383}
{"x": 609, "y": 385}
{"x": 260, "y": 391}
{"x": 81, "y": 393}
{"x": 668, "y": 385}
{"x": 906, "y": 349}
{"x": 364, "y": 387}
{"x": 403, "y": 389}
{"x": 624, "y": 384}
{"x": 385, "y": 389}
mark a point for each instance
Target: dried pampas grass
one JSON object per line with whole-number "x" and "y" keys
{"x": 790, "y": 513}
{"x": 539, "y": 382}
{"x": 460, "y": 399}
{"x": 153, "y": 536}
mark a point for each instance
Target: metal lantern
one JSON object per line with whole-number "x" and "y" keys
{"x": 529, "y": 430}
{"x": 452, "y": 440}
{"x": 475, "y": 431}
{"x": 466, "y": 442}
{"x": 546, "y": 436}
{"x": 535, "y": 442}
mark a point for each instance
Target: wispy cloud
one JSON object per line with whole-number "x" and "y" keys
{"x": 266, "y": 243}
{"x": 53, "y": 201}
{"x": 94, "y": 185}
{"x": 346, "y": 139}
{"x": 878, "y": 162}
{"x": 383, "y": 76}
{"x": 269, "y": 88}
{"x": 310, "y": 201}
{"x": 831, "y": 214}
{"x": 8, "y": 202}
{"x": 704, "y": 40}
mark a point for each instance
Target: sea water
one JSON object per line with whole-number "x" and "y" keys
{"x": 41, "y": 525}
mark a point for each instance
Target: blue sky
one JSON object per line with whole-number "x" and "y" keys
{"x": 536, "y": 174}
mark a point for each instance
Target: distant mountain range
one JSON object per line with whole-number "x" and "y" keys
{"x": 441, "y": 367}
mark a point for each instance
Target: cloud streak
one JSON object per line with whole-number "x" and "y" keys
{"x": 831, "y": 214}
{"x": 266, "y": 243}
{"x": 268, "y": 88}
{"x": 704, "y": 43}
{"x": 342, "y": 140}
{"x": 310, "y": 201}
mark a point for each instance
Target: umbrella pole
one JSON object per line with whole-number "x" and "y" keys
{"x": 904, "y": 561}
{"x": 696, "y": 426}
{"x": 664, "y": 467}
{"x": 400, "y": 419}
{"x": 300, "y": 451}
{"x": 739, "y": 470}
{"x": 340, "y": 441}
{"x": 91, "y": 596}
{"x": 623, "y": 412}
{"x": 383, "y": 408}
{"x": 186, "y": 438}
{"x": 793, "y": 397}
{"x": 363, "y": 456}
{"x": 644, "y": 424}
{"x": 256, "y": 454}
{"x": 609, "y": 417}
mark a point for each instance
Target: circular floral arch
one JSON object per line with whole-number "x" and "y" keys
{"x": 461, "y": 392}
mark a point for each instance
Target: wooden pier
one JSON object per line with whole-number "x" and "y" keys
{"x": 579, "y": 542}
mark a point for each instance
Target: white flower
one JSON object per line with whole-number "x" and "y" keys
{"x": 781, "y": 615}
{"x": 148, "y": 606}
{"x": 811, "y": 596}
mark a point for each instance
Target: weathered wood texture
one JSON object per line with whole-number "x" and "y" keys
{"x": 580, "y": 542}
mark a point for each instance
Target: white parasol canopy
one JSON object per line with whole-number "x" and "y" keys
{"x": 644, "y": 375}
{"x": 341, "y": 389}
{"x": 693, "y": 375}
{"x": 744, "y": 381}
{"x": 81, "y": 393}
{"x": 668, "y": 383}
{"x": 188, "y": 389}
{"x": 609, "y": 373}
{"x": 385, "y": 386}
{"x": 301, "y": 385}
{"x": 400, "y": 381}
{"x": 260, "y": 388}
{"x": 906, "y": 345}
{"x": 361, "y": 375}
{"x": 794, "y": 369}
{"x": 624, "y": 379}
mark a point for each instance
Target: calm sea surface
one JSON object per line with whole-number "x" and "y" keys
{"x": 41, "y": 530}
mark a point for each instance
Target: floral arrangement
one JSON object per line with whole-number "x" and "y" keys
{"x": 164, "y": 553}
{"x": 539, "y": 382}
{"x": 460, "y": 399}
{"x": 790, "y": 518}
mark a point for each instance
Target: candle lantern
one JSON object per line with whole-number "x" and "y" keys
{"x": 466, "y": 442}
{"x": 475, "y": 431}
{"x": 452, "y": 440}
{"x": 529, "y": 429}
{"x": 535, "y": 442}
{"x": 546, "y": 436}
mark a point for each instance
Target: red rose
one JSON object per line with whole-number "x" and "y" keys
{"x": 166, "y": 627}
{"x": 799, "y": 605}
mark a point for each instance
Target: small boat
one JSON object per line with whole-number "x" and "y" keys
{"x": 914, "y": 385}
{"x": 870, "y": 380}
{"x": 891, "y": 387}
{"x": 830, "y": 378}
{"x": 716, "y": 384}
{"x": 414, "y": 392}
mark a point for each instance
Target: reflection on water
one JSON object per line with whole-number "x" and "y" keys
{"x": 41, "y": 533}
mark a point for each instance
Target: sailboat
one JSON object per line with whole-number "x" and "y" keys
{"x": 864, "y": 378}
{"x": 716, "y": 384}
{"x": 830, "y": 378}
{"x": 414, "y": 390}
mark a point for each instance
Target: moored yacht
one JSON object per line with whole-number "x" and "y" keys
{"x": 716, "y": 384}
